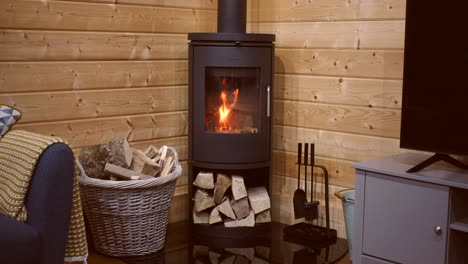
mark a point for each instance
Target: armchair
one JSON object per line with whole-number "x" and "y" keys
{"x": 42, "y": 239}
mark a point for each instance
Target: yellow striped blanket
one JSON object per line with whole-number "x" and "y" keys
{"x": 19, "y": 152}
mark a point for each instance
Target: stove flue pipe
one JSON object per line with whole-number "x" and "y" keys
{"x": 232, "y": 16}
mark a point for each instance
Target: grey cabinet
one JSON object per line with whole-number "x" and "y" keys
{"x": 409, "y": 218}
{"x": 405, "y": 221}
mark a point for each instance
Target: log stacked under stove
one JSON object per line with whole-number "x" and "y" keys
{"x": 223, "y": 198}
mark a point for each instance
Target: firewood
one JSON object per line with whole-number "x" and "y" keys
{"x": 223, "y": 182}
{"x": 168, "y": 165}
{"x": 203, "y": 200}
{"x": 141, "y": 163}
{"x": 157, "y": 158}
{"x": 151, "y": 151}
{"x": 259, "y": 261}
{"x": 241, "y": 207}
{"x": 226, "y": 209}
{"x": 215, "y": 217}
{"x": 246, "y": 252}
{"x": 94, "y": 158}
{"x": 259, "y": 199}
{"x": 204, "y": 180}
{"x": 249, "y": 221}
{"x": 214, "y": 257}
{"x": 226, "y": 256}
{"x": 241, "y": 260}
{"x": 263, "y": 217}
{"x": 200, "y": 218}
{"x": 229, "y": 260}
{"x": 199, "y": 251}
{"x": 162, "y": 153}
{"x": 124, "y": 174}
{"x": 113, "y": 178}
{"x": 238, "y": 187}
{"x": 262, "y": 252}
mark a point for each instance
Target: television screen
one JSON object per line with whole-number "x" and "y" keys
{"x": 435, "y": 77}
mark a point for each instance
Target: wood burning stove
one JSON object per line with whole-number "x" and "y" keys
{"x": 230, "y": 105}
{"x": 230, "y": 93}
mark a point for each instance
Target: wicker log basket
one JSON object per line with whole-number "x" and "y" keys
{"x": 128, "y": 218}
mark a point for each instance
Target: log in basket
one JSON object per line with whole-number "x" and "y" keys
{"x": 128, "y": 218}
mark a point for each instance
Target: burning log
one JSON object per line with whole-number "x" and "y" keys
{"x": 249, "y": 221}
{"x": 241, "y": 208}
{"x": 203, "y": 200}
{"x": 259, "y": 199}
{"x": 226, "y": 209}
{"x": 223, "y": 182}
{"x": 94, "y": 158}
{"x": 141, "y": 163}
{"x": 225, "y": 109}
{"x": 238, "y": 187}
{"x": 123, "y": 173}
{"x": 204, "y": 180}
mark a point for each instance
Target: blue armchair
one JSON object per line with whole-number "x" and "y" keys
{"x": 42, "y": 239}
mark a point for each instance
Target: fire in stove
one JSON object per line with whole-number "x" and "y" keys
{"x": 225, "y": 109}
{"x": 231, "y": 104}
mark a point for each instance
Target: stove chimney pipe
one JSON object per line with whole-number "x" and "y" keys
{"x": 232, "y": 16}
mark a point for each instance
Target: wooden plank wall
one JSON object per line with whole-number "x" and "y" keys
{"x": 91, "y": 71}
{"x": 338, "y": 81}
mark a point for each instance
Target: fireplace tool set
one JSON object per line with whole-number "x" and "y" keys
{"x": 308, "y": 234}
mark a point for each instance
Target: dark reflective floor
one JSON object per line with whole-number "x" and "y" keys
{"x": 180, "y": 250}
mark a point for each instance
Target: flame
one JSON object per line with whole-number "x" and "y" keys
{"x": 224, "y": 109}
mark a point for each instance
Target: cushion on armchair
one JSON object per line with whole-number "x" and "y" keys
{"x": 8, "y": 117}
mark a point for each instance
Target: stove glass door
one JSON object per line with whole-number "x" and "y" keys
{"x": 232, "y": 100}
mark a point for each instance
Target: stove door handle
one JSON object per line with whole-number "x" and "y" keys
{"x": 268, "y": 100}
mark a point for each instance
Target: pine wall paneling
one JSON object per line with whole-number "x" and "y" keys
{"x": 106, "y": 70}
{"x": 48, "y": 45}
{"x": 338, "y": 81}
{"x": 82, "y": 75}
{"x": 94, "y": 71}
{"x": 90, "y": 16}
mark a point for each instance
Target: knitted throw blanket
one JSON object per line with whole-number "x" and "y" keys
{"x": 19, "y": 153}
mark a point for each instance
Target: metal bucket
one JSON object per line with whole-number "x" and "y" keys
{"x": 347, "y": 198}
